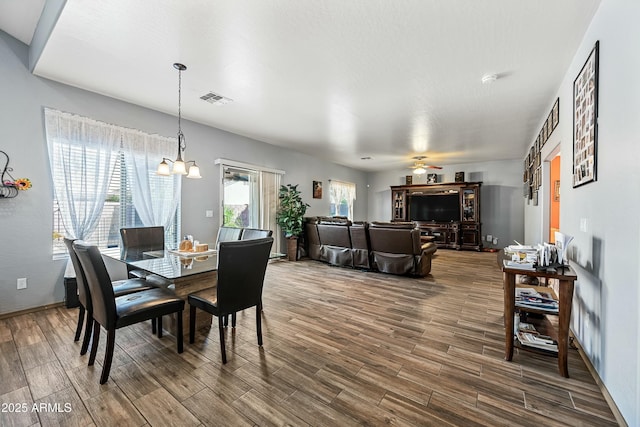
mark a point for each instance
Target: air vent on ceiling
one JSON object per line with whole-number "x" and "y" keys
{"x": 215, "y": 99}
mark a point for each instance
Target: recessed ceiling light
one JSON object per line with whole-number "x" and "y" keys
{"x": 489, "y": 78}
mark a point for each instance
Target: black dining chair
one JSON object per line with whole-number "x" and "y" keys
{"x": 254, "y": 233}
{"x": 136, "y": 240}
{"x": 228, "y": 234}
{"x": 241, "y": 269}
{"x": 120, "y": 287}
{"x": 114, "y": 313}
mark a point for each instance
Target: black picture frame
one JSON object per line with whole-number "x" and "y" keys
{"x": 555, "y": 113}
{"x": 585, "y": 121}
{"x": 432, "y": 178}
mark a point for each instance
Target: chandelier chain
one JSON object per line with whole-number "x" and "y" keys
{"x": 181, "y": 142}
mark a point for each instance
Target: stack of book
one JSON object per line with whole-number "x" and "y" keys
{"x": 522, "y": 257}
{"x": 528, "y": 336}
{"x": 522, "y": 265}
{"x": 530, "y": 298}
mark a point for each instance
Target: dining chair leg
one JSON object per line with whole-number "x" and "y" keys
{"x": 222, "y": 349}
{"x": 94, "y": 343}
{"x": 233, "y": 320}
{"x": 179, "y": 336}
{"x": 87, "y": 334}
{"x": 80, "y": 322}
{"x": 108, "y": 355}
{"x": 192, "y": 324}
{"x": 226, "y": 320}
{"x": 159, "y": 326}
{"x": 259, "y": 324}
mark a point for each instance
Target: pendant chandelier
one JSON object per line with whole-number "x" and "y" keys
{"x": 179, "y": 165}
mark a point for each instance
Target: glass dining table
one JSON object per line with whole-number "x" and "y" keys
{"x": 188, "y": 273}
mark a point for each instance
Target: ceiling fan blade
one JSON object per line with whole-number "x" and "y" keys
{"x": 432, "y": 167}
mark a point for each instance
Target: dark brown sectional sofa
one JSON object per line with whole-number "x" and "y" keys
{"x": 388, "y": 247}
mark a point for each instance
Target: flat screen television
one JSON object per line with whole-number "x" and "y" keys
{"x": 434, "y": 207}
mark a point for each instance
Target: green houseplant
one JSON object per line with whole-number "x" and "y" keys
{"x": 290, "y": 217}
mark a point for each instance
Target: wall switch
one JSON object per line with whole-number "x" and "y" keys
{"x": 208, "y": 213}
{"x": 484, "y": 238}
{"x": 22, "y": 283}
{"x": 495, "y": 240}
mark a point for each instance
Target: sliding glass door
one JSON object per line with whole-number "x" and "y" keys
{"x": 250, "y": 198}
{"x": 241, "y": 198}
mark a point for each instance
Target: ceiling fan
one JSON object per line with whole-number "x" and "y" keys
{"x": 419, "y": 167}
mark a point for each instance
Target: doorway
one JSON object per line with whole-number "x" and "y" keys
{"x": 554, "y": 198}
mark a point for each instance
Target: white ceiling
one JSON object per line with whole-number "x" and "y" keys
{"x": 338, "y": 79}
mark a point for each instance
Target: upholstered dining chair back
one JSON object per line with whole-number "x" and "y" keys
{"x": 255, "y": 233}
{"x": 83, "y": 291}
{"x": 98, "y": 282}
{"x": 228, "y": 234}
{"x": 143, "y": 238}
{"x": 241, "y": 269}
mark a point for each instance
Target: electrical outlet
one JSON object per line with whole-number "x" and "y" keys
{"x": 22, "y": 283}
{"x": 495, "y": 240}
{"x": 489, "y": 238}
{"x": 484, "y": 238}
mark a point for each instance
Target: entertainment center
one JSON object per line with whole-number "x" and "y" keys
{"x": 450, "y": 212}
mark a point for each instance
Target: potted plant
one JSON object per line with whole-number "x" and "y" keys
{"x": 290, "y": 216}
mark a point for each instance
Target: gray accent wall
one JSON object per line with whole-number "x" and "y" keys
{"x": 26, "y": 222}
{"x": 501, "y": 198}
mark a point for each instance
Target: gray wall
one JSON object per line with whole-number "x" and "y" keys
{"x": 605, "y": 251}
{"x": 26, "y": 222}
{"x": 501, "y": 194}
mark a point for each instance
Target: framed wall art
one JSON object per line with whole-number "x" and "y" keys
{"x": 555, "y": 113}
{"x": 317, "y": 189}
{"x": 585, "y": 121}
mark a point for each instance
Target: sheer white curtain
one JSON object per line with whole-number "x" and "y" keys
{"x": 269, "y": 196}
{"x": 84, "y": 151}
{"x": 155, "y": 197}
{"x": 341, "y": 192}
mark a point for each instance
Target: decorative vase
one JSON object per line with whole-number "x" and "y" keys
{"x": 292, "y": 248}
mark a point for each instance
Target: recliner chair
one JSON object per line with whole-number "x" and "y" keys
{"x": 396, "y": 248}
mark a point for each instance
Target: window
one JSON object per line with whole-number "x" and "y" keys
{"x": 342, "y": 196}
{"x": 104, "y": 177}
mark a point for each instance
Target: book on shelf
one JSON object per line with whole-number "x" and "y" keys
{"x": 521, "y": 265}
{"x": 529, "y": 297}
{"x": 535, "y": 340}
{"x": 527, "y": 327}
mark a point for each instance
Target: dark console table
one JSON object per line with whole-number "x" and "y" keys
{"x": 566, "y": 278}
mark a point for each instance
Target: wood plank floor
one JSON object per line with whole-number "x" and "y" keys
{"x": 341, "y": 348}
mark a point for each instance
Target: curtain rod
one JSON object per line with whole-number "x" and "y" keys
{"x": 227, "y": 162}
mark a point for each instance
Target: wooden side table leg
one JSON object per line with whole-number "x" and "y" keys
{"x": 566, "y": 298}
{"x": 509, "y": 285}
